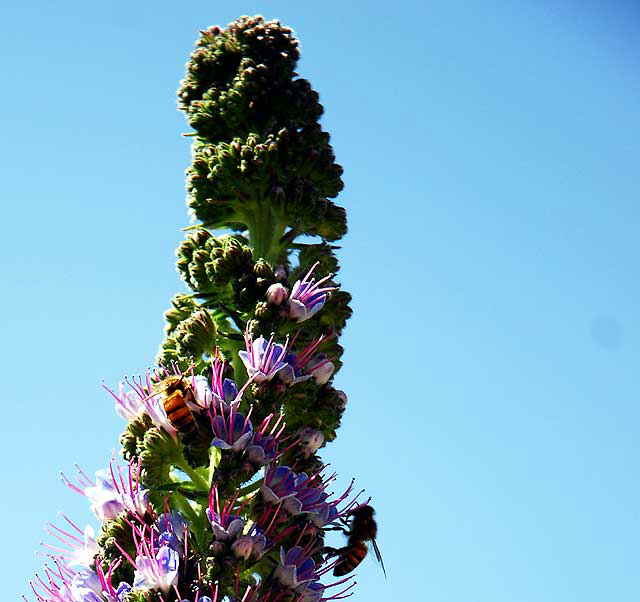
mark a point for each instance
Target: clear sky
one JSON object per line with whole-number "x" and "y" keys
{"x": 491, "y": 167}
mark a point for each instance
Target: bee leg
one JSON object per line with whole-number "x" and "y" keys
{"x": 330, "y": 552}
{"x": 337, "y": 528}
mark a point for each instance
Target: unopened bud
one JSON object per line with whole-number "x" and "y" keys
{"x": 310, "y": 441}
{"x": 342, "y": 396}
{"x": 277, "y": 294}
{"x": 280, "y": 272}
{"x": 217, "y": 548}
{"x": 259, "y": 544}
{"x": 321, "y": 369}
{"x": 242, "y": 547}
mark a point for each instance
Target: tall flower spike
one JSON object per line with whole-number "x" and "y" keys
{"x": 215, "y": 504}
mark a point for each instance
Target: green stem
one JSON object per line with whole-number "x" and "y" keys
{"x": 239, "y": 371}
{"x": 250, "y": 488}
{"x": 265, "y": 231}
{"x": 196, "y": 479}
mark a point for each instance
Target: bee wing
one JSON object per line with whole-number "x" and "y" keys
{"x": 376, "y": 551}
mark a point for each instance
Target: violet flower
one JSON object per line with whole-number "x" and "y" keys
{"x": 264, "y": 443}
{"x": 156, "y": 563}
{"x": 308, "y": 364}
{"x": 279, "y": 484}
{"x": 225, "y": 526}
{"x": 308, "y": 297}
{"x": 295, "y": 569}
{"x": 81, "y": 546}
{"x": 263, "y": 359}
{"x": 210, "y": 393}
{"x": 231, "y": 430}
{"x": 140, "y": 399}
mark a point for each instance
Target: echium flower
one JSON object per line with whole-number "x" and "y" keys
{"x": 279, "y": 483}
{"x": 211, "y": 392}
{"x": 64, "y": 584}
{"x": 140, "y": 399}
{"x": 263, "y": 447}
{"x": 263, "y": 359}
{"x": 307, "y": 364}
{"x": 225, "y": 525}
{"x": 114, "y": 491}
{"x": 296, "y": 569}
{"x": 80, "y": 544}
{"x": 308, "y": 296}
{"x": 173, "y": 529}
{"x": 156, "y": 563}
{"x": 231, "y": 430}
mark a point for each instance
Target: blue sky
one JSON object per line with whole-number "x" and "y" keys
{"x": 490, "y": 152}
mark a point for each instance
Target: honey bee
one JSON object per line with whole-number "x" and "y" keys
{"x": 362, "y": 528}
{"x": 177, "y": 397}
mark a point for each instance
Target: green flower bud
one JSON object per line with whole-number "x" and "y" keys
{"x": 133, "y": 436}
{"x": 182, "y": 307}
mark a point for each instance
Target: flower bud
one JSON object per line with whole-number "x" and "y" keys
{"x": 277, "y": 294}
{"x": 217, "y": 548}
{"x": 321, "y": 369}
{"x": 280, "y": 272}
{"x": 242, "y": 547}
{"x": 256, "y": 455}
{"x": 259, "y": 544}
{"x": 342, "y": 396}
{"x": 310, "y": 441}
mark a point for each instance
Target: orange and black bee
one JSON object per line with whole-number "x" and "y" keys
{"x": 362, "y": 528}
{"x": 177, "y": 395}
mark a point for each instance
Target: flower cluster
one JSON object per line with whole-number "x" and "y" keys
{"x": 222, "y": 496}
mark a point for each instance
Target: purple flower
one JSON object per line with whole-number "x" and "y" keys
{"x": 64, "y": 584}
{"x": 263, "y": 449}
{"x": 106, "y": 501}
{"x": 295, "y": 569}
{"x": 225, "y": 526}
{"x": 172, "y": 522}
{"x": 312, "y": 592}
{"x": 156, "y": 563}
{"x": 307, "y": 297}
{"x": 242, "y": 547}
{"x": 264, "y": 444}
{"x": 172, "y": 527}
{"x": 231, "y": 430}
{"x": 308, "y": 364}
{"x": 82, "y": 546}
{"x": 308, "y": 499}
{"x": 263, "y": 359}
{"x": 279, "y": 483}
{"x": 140, "y": 399}
{"x": 249, "y": 546}
{"x": 217, "y": 390}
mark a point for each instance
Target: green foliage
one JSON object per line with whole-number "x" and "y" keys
{"x": 138, "y": 595}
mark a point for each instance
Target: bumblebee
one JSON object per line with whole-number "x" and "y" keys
{"x": 177, "y": 395}
{"x": 361, "y": 528}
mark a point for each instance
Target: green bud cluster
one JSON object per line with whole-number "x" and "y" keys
{"x": 261, "y": 161}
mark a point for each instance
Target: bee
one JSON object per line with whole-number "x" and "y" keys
{"x": 362, "y": 528}
{"x": 177, "y": 397}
